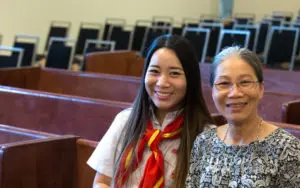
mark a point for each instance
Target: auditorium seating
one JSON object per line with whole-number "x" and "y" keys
{"x": 103, "y": 86}
{"x": 120, "y": 62}
{"x": 85, "y": 174}
{"x": 122, "y": 36}
{"x": 254, "y": 32}
{"x": 13, "y": 59}
{"x": 60, "y": 53}
{"x": 199, "y": 37}
{"x": 29, "y": 44}
{"x": 125, "y": 88}
{"x": 61, "y": 114}
{"x": 35, "y": 159}
{"x": 109, "y": 24}
{"x": 57, "y": 29}
{"x": 138, "y": 34}
{"x": 73, "y": 83}
{"x": 87, "y": 31}
{"x": 56, "y": 113}
{"x": 281, "y": 46}
{"x": 291, "y": 111}
{"x": 264, "y": 28}
{"x": 152, "y": 33}
{"x": 230, "y": 37}
{"x": 215, "y": 30}
{"x": 244, "y": 18}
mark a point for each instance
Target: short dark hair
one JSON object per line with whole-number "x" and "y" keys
{"x": 245, "y": 54}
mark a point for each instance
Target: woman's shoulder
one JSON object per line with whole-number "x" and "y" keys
{"x": 119, "y": 121}
{"x": 283, "y": 137}
{"x": 282, "y": 140}
{"x": 124, "y": 114}
{"x": 208, "y": 133}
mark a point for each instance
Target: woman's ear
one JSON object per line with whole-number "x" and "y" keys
{"x": 261, "y": 90}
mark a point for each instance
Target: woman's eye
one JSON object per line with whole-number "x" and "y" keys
{"x": 246, "y": 81}
{"x": 224, "y": 83}
{"x": 175, "y": 73}
{"x": 153, "y": 71}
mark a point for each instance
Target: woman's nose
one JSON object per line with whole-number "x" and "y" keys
{"x": 163, "y": 81}
{"x": 235, "y": 91}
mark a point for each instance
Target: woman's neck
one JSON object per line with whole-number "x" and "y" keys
{"x": 160, "y": 115}
{"x": 243, "y": 133}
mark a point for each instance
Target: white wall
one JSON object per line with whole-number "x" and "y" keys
{"x": 34, "y": 16}
{"x": 265, "y": 7}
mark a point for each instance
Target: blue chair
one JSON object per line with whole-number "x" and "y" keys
{"x": 281, "y": 46}
{"x": 165, "y": 21}
{"x": 207, "y": 18}
{"x": 87, "y": 31}
{"x": 244, "y": 18}
{"x": 297, "y": 25}
{"x": 58, "y": 29}
{"x": 29, "y": 43}
{"x": 233, "y": 37}
{"x": 122, "y": 35}
{"x": 139, "y": 33}
{"x": 96, "y": 46}
{"x": 199, "y": 37}
{"x": 14, "y": 59}
{"x": 152, "y": 33}
{"x": 264, "y": 28}
{"x": 60, "y": 53}
{"x": 215, "y": 30}
{"x": 109, "y": 22}
{"x": 254, "y": 32}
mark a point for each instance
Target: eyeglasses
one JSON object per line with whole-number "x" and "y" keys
{"x": 243, "y": 85}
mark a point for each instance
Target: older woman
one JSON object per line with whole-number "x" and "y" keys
{"x": 248, "y": 151}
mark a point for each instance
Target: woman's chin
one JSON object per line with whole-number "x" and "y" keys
{"x": 235, "y": 118}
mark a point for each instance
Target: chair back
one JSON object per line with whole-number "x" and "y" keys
{"x": 199, "y": 37}
{"x": 87, "y": 31}
{"x": 57, "y": 29}
{"x": 14, "y": 58}
{"x": 29, "y": 43}
{"x": 233, "y": 37}
{"x": 60, "y": 53}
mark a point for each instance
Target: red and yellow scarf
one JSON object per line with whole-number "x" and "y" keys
{"x": 153, "y": 176}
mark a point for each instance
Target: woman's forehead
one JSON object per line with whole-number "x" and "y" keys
{"x": 234, "y": 67}
{"x": 164, "y": 56}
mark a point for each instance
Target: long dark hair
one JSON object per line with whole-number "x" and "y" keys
{"x": 196, "y": 114}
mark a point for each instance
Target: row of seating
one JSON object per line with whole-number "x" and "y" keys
{"x": 36, "y": 159}
{"x": 209, "y": 35}
{"x": 125, "y": 88}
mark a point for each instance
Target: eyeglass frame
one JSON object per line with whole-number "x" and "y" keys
{"x": 239, "y": 85}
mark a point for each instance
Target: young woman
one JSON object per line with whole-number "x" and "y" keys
{"x": 149, "y": 144}
{"x": 248, "y": 151}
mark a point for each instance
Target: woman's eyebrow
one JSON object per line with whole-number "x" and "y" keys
{"x": 245, "y": 75}
{"x": 223, "y": 77}
{"x": 155, "y": 66}
{"x": 176, "y": 68}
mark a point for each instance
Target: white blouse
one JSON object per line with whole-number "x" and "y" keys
{"x": 102, "y": 159}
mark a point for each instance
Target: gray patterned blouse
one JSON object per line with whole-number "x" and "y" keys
{"x": 273, "y": 162}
